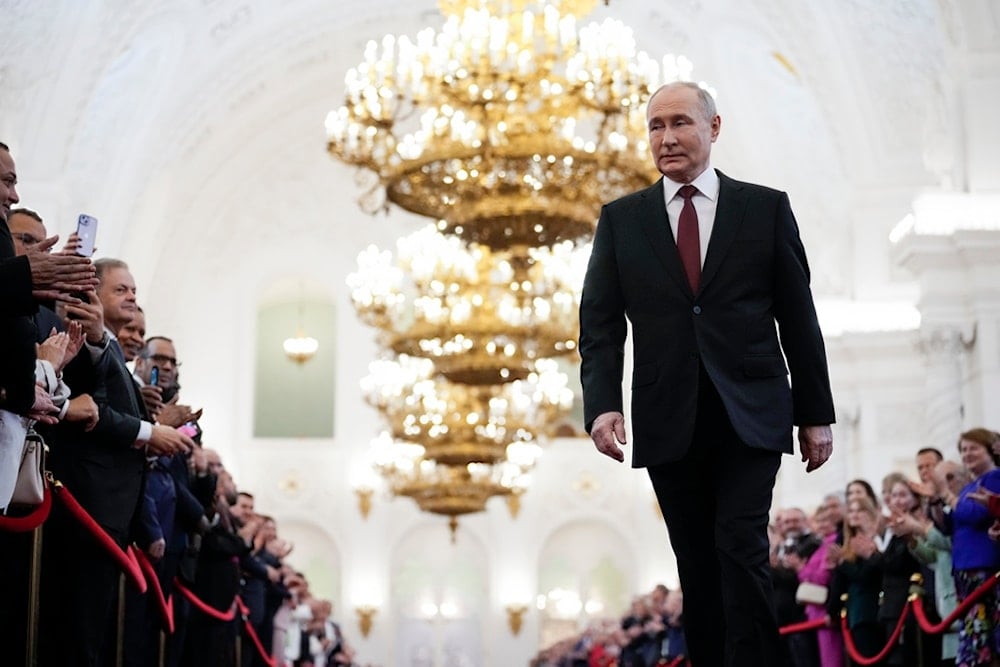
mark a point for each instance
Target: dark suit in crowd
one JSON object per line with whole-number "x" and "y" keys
{"x": 104, "y": 471}
{"x": 17, "y": 395}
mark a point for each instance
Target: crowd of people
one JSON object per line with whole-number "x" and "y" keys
{"x": 78, "y": 369}
{"x": 857, "y": 552}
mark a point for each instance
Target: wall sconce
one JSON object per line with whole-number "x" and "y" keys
{"x": 366, "y": 615}
{"x": 364, "y": 495}
{"x": 300, "y": 348}
{"x": 515, "y": 617}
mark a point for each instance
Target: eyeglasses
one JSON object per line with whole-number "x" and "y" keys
{"x": 26, "y": 239}
{"x": 164, "y": 360}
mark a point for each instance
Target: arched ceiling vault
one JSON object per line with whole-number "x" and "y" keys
{"x": 195, "y": 119}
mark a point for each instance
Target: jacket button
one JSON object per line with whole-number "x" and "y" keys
{"x": 697, "y": 310}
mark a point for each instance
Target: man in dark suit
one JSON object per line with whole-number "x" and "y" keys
{"x": 23, "y": 280}
{"x": 707, "y": 275}
{"x": 104, "y": 469}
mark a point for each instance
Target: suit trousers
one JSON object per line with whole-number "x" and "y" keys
{"x": 715, "y": 502}
{"x": 80, "y": 585}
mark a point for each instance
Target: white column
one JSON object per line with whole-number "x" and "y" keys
{"x": 943, "y": 348}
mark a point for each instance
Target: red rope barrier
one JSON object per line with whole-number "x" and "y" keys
{"x": 128, "y": 564}
{"x": 23, "y": 524}
{"x": 803, "y": 626}
{"x": 166, "y": 606}
{"x": 960, "y": 610}
{"x": 244, "y": 610}
{"x": 852, "y": 650}
{"x": 203, "y": 607}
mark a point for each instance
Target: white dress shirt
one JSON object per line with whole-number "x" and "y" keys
{"x": 705, "y": 202}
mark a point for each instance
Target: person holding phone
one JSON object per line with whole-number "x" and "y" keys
{"x": 104, "y": 469}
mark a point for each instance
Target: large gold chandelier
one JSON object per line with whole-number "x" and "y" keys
{"x": 483, "y": 315}
{"x": 508, "y": 127}
{"x": 511, "y": 98}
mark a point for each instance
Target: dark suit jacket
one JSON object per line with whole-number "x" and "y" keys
{"x": 102, "y": 468}
{"x": 755, "y": 278}
{"x": 17, "y": 332}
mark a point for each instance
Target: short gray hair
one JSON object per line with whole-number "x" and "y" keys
{"x": 705, "y": 98}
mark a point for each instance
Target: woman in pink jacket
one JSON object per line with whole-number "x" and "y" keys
{"x": 818, "y": 570}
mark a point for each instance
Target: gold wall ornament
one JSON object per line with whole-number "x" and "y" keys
{"x": 364, "y": 495}
{"x": 513, "y": 124}
{"x": 515, "y": 617}
{"x": 366, "y": 617}
{"x": 290, "y": 484}
{"x": 514, "y": 502}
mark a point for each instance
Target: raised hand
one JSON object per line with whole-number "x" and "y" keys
{"x": 90, "y": 315}
{"x": 167, "y": 441}
{"x": 53, "y": 349}
{"x": 55, "y": 276}
{"x": 83, "y": 409}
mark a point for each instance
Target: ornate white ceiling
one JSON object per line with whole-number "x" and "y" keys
{"x": 202, "y": 120}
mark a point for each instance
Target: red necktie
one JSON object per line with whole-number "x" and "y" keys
{"x": 688, "y": 242}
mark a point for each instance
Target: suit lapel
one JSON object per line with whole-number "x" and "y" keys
{"x": 728, "y": 217}
{"x": 118, "y": 361}
{"x": 656, "y": 226}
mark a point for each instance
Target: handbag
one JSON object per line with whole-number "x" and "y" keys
{"x": 810, "y": 593}
{"x": 29, "y": 489}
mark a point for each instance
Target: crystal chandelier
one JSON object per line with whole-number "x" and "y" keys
{"x": 463, "y": 427}
{"x": 509, "y": 127}
{"x": 484, "y": 316}
{"x": 461, "y": 424}
{"x": 511, "y": 98}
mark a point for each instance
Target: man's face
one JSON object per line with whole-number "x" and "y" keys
{"x": 925, "y": 466}
{"x": 832, "y": 509}
{"x": 8, "y": 184}
{"x": 132, "y": 337}
{"x": 680, "y": 136}
{"x": 243, "y": 509}
{"x": 214, "y": 461}
{"x": 163, "y": 356}
{"x": 27, "y": 231}
{"x": 793, "y": 523}
{"x": 117, "y": 295}
{"x": 950, "y": 475}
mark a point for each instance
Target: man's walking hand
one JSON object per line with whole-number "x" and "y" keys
{"x": 607, "y": 432}
{"x": 815, "y": 443}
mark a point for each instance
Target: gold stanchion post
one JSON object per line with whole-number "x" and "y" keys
{"x": 34, "y": 593}
{"x": 120, "y": 643}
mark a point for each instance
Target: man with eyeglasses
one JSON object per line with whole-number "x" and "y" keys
{"x": 172, "y": 514}
{"x": 104, "y": 469}
{"x": 26, "y": 228}
{"x": 161, "y": 396}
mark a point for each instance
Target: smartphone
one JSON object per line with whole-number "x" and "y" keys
{"x": 154, "y": 376}
{"x": 86, "y": 229}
